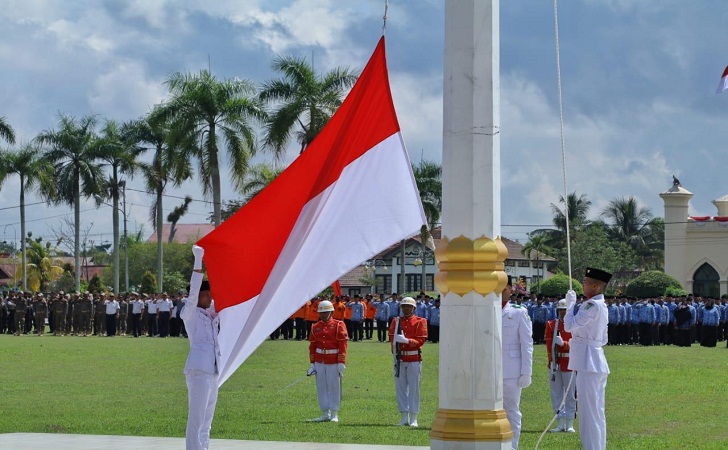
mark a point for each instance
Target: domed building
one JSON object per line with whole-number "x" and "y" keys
{"x": 696, "y": 247}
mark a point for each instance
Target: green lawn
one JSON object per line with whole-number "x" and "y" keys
{"x": 657, "y": 398}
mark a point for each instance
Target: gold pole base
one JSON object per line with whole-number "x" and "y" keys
{"x": 466, "y": 425}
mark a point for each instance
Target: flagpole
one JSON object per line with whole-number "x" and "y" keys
{"x": 471, "y": 255}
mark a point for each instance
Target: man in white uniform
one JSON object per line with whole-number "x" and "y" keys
{"x": 517, "y": 359}
{"x": 589, "y": 334}
{"x": 201, "y": 369}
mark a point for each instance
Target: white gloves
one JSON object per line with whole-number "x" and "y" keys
{"x": 401, "y": 339}
{"x": 524, "y": 381}
{"x": 311, "y": 370}
{"x": 558, "y": 341}
{"x": 198, "y": 252}
{"x": 341, "y": 368}
{"x": 570, "y": 298}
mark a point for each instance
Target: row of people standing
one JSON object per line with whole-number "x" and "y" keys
{"x": 86, "y": 314}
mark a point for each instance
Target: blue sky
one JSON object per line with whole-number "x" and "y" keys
{"x": 639, "y": 80}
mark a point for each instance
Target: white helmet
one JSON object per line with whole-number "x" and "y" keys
{"x": 409, "y": 301}
{"x": 561, "y": 304}
{"x": 325, "y": 306}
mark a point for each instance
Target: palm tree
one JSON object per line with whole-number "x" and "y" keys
{"x": 632, "y": 224}
{"x": 6, "y": 131}
{"x": 257, "y": 179}
{"x": 305, "y": 101}
{"x": 167, "y": 166}
{"x": 428, "y": 176}
{"x": 35, "y": 172}
{"x": 116, "y": 149}
{"x": 537, "y": 244}
{"x": 203, "y": 111}
{"x": 43, "y": 266}
{"x": 578, "y": 208}
{"x": 175, "y": 215}
{"x": 71, "y": 151}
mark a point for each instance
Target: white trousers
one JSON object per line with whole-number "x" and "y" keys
{"x": 328, "y": 386}
{"x": 558, "y": 386}
{"x": 512, "y": 405}
{"x": 407, "y": 386}
{"x": 590, "y": 388}
{"x": 202, "y": 398}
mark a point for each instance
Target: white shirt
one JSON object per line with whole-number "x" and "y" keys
{"x": 112, "y": 306}
{"x": 137, "y": 306}
{"x": 588, "y": 328}
{"x": 202, "y": 330}
{"x": 164, "y": 305}
{"x": 151, "y": 306}
{"x": 517, "y": 341}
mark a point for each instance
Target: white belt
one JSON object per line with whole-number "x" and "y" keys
{"x": 562, "y": 355}
{"x": 327, "y": 352}
{"x": 410, "y": 353}
{"x": 591, "y": 342}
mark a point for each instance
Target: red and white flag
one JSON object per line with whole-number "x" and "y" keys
{"x": 723, "y": 85}
{"x": 350, "y": 195}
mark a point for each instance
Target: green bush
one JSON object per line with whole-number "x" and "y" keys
{"x": 651, "y": 284}
{"x": 556, "y": 286}
{"x": 149, "y": 283}
{"x": 673, "y": 291}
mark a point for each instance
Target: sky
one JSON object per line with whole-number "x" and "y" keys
{"x": 639, "y": 81}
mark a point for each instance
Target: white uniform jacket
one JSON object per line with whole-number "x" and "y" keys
{"x": 517, "y": 342}
{"x": 588, "y": 328}
{"x": 202, "y": 330}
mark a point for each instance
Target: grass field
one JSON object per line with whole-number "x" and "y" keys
{"x": 657, "y": 398}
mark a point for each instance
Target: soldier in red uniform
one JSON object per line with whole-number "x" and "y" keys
{"x": 408, "y": 334}
{"x": 327, "y": 354}
{"x": 557, "y": 339}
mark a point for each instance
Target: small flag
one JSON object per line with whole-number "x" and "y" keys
{"x": 349, "y": 196}
{"x": 723, "y": 85}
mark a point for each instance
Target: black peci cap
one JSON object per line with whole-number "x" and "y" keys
{"x": 597, "y": 274}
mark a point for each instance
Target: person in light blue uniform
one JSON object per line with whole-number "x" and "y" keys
{"x": 540, "y": 317}
{"x": 421, "y": 308}
{"x": 382, "y": 318}
{"x": 613, "y": 321}
{"x": 357, "y": 318}
{"x": 647, "y": 319}
{"x": 622, "y": 328}
{"x": 664, "y": 322}
{"x": 711, "y": 320}
{"x": 636, "y": 306}
{"x": 393, "y": 303}
{"x": 433, "y": 324}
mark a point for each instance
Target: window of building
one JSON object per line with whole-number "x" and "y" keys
{"x": 510, "y": 262}
{"x": 523, "y": 263}
{"x": 383, "y": 284}
{"x": 706, "y": 282}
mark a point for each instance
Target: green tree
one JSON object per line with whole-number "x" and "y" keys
{"x": 71, "y": 150}
{"x": 428, "y": 176}
{"x": 149, "y": 282}
{"x": 168, "y": 165}
{"x": 95, "y": 286}
{"x": 143, "y": 255}
{"x": 117, "y": 150}
{"x": 257, "y": 179}
{"x": 635, "y": 226}
{"x": 206, "y": 112}
{"x": 578, "y": 209}
{"x": 591, "y": 247}
{"x": 536, "y": 246}
{"x": 6, "y": 131}
{"x": 303, "y": 101}
{"x": 651, "y": 284}
{"x": 177, "y": 214}
{"x": 35, "y": 173}
{"x": 43, "y": 266}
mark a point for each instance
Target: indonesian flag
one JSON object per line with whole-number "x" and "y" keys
{"x": 723, "y": 85}
{"x": 349, "y": 196}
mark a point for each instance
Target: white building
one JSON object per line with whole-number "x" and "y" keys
{"x": 696, "y": 248}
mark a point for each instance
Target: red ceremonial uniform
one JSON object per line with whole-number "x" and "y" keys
{"x": 328, "y": 342}
{"x": 415, "y": 329}
{"x": 562, "y": 351}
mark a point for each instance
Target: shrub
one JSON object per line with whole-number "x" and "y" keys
{"x": 651, "y": 284}
{"x": 673, "y": 291}
{"x": 556, "y": 286}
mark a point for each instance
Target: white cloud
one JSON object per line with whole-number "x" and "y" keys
{"x": 125, "y": 92}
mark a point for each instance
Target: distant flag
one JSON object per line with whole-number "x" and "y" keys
{"x": 723, "y": 85}
{"x": 349, "y": 196}
{"x": 336, "y": 287}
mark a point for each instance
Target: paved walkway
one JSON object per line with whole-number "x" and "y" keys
{"x": 41, "y": 441}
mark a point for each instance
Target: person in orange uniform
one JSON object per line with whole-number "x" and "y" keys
{"x": 557, "y": 339}
{"x": 299, "y": 317}
{"x": 312, "y": 314}
{"x": 327, "y": 354}
{"x": 408, "y": 334}
{"x": 339, "y": 308}
{"x": 369, "y": 312}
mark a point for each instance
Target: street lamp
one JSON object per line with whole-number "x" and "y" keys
{"x": 371, "y": 267}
